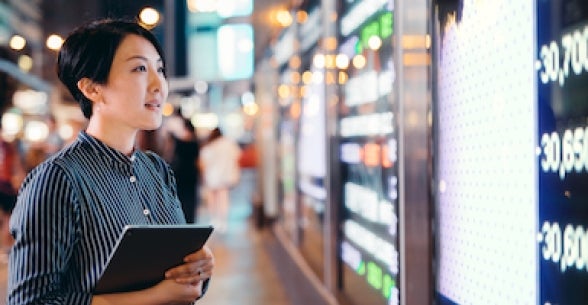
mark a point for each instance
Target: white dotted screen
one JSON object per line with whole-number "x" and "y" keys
{"x": 485, "y": 155}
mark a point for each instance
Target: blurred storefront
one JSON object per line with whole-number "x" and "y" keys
{"x": 350, "y": 145}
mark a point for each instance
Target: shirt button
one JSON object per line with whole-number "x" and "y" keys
{"x": 146, "y": 212}
{"x": 133, "y": 158}
{"x": 133, "y": 179}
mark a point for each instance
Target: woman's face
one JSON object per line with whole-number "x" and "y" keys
{"x": 136, "y": 88}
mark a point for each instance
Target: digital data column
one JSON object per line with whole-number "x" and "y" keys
{"x": 562, "y": 83}
{"x": 368, "y": 154}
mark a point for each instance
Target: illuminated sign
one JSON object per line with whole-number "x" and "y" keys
{"x": 562, "y": 151}
{"x": 367, "y": 87}
{"x": 359, "y": 13}
{"x": 234, "y": 8}
{"x": 485, "y": 153}
{"x": 365, "y": 125}
{"x": 382, "y": 27}
{"x": 368, "y": 156}
{"x": 235, "y": 51}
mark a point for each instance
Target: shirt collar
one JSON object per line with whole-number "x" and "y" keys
{"x": 101, "y": 149}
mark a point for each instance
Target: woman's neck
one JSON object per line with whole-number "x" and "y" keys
{"x": 117, "y": 139}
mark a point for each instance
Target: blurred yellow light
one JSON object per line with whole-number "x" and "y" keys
{"x": 295, "y": 77}
{"x": 168, "y": 109}
{"x": 358, "y": 61}
{"x": 333, "y": 16}
{"x": 343, "y": 77}
{"x": 374, "y": 42}
{"x": 25, "y": 62}
{"x": 202, "y": 6}
{"x": 319, "y": 61}
{"x": 17, "y": 42}
{"x": 307, "y": 77}
{"x": 294, "y": 62}
{"x": 12, "y": 124}
{"x": 330, "y": 78}
{"x": 284, "y": 18}
{"x": 330, "y": 43}
{"x": 301, "y": 16}
{"x": 205, "y": 120}
{"x": 54, "y": 42}
{"x": 192, "y": 6}
{"x": 36, "y": 131}
{"x": 330, "y": 61}
{"x": 303, "y": 91}
{"x": 415, "y": 42}
{"x": 416, "y": 59}
{"x": 250, "y": 109}
{"x": 66, "y": 131}
{"x": 283, "y": 91}
{"x": 295, "y": 110}
{"x": 342, "y": 61}
{"x": 149, "y": 16}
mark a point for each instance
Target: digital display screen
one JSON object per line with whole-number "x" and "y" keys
{"x": 485, "y": 152}
{"x": 562, "y": 86}
{"x": 368, "y": 151}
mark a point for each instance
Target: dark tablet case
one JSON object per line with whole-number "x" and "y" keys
{"x": 144, "y": 252}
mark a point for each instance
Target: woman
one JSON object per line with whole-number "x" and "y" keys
{"x": 72, "y": 208}
{"x": 184, "y": 161}
{"x": 219, "y": 162}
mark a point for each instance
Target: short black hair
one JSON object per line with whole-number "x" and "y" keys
{"x": 89, "y": 50}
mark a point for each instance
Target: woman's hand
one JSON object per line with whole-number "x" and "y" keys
{"x": 183, "y": 284}
{"x": 171, "y": 292}
{"x": 197, "y": 267}
{"x": 168, "y": 292}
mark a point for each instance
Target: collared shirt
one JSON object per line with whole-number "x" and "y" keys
{"x": 70, "y": 212}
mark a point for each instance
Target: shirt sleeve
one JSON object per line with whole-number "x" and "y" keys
{"x": 44, "y": 225}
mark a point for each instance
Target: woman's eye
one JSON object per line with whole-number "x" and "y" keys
{"x": 161, "y": 70}
{"x": 140, "y": 69}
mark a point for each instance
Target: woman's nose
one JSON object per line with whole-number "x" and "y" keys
{"x": 156, "y": 81}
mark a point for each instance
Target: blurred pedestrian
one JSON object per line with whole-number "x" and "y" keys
{"x": 219, "y": 164}
{"x": 54, "y": 142}
{"x": 72, "y": 208}
{"x": 184, "y": 161}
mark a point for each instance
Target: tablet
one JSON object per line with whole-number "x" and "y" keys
{"x": 143, "y": 253}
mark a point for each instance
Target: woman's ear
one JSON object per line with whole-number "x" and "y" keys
{"x": 89, "y": 89}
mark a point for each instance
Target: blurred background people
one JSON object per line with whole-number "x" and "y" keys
{"x": 219, "y": 163}
{"x": 54, "y": 142}
{"x": 37, "y": 151}
{"x": 248, "y": 163}
{"x": 184, "y": 161}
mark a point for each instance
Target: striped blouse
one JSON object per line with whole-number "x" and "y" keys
{"x": 70, "y": 212}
